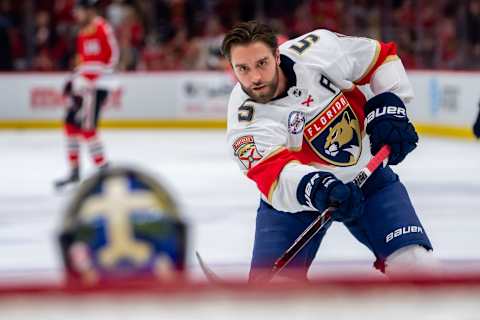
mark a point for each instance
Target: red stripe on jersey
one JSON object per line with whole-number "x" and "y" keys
{"x": 266, "y": 172}
{"x": 357, "y": 101}
{"x": 386, "y": 50}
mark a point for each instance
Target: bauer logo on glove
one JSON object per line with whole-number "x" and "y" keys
{"x": 387, "y": 123}
{"x": 398, "y": 112}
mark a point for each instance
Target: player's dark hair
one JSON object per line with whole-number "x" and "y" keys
{"x": 246, "y": 32}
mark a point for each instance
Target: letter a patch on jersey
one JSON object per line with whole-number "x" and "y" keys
{"x": 334, "y": 134}
{"x": 246, "y": 151}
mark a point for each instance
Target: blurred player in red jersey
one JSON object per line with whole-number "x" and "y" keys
{"x": 88, "y": 86}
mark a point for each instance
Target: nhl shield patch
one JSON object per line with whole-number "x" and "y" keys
{"x": 246, "y": 151}
{"x": 334, "y": 134}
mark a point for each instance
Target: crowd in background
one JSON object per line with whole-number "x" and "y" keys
{"x": 39, "y": 35}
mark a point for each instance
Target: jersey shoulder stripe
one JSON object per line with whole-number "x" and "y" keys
{"x": 384, "y": 52}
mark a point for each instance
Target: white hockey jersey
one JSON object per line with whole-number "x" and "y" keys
{"x": 318, "y": 125}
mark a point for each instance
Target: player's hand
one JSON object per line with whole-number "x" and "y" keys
{"x": 321, "y": 190}
{"x": 387, "y": 123}
{"x": 348, "y": 201}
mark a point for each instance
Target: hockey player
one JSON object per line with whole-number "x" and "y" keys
{"x": 88, "y": 86}
{"x": 300, "y": 127}
{"x": 476, "y": 125}
{"x": 123, "y": 225}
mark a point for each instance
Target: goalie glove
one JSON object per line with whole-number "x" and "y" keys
{"x": 321, "y": 190}
{"x": 387, "y": 123}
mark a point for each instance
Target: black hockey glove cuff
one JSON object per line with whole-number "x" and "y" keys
{"x": 320, "y": 190}
{"x": 68, "y": 88}
{"x": 387, "y": 123}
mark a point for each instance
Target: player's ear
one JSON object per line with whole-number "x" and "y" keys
{"x": 277, "y": 56}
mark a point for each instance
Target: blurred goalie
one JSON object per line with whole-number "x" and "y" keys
{"x": 122, "y": 225}
{"x": 88, "y": 87}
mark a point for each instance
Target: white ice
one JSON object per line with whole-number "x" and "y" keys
{"x": 219, "y": 203}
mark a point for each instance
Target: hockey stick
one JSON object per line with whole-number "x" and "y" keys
{"x": 325, "y": 216}
{"x": 209, "y": 274}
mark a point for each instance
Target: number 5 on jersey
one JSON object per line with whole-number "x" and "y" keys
{"x": 245, "y": 113}
{"x": 304, "y": 43}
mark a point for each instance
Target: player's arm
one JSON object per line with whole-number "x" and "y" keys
{"x": 111, "y": 54}
{"x": 377, "y": 64}
{"x": 257, "y": 144}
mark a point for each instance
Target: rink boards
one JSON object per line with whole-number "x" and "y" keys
{"x": 446, "y": 103}
{"x": 454, "y": 298}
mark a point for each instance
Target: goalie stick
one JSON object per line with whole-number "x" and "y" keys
{"x": 312, "y": 229}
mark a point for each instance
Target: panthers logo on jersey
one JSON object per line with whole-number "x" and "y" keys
{"x": 334, "y": 134}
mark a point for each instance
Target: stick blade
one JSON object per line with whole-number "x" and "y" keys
{"x": 209, "y": 274}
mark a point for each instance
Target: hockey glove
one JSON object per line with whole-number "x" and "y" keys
{"x": 387, "y": 123}
{"x": 476, "y": 126}
{"x": 320, "y": 190}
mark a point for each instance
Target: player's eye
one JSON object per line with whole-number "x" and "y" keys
{"x": 262, "y": 63}
{"x": 242, "y": 69}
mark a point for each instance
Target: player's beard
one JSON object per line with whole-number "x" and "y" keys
{"x": 268, "y": 93}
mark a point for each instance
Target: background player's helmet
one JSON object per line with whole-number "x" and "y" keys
{"x": 122, "y": 224}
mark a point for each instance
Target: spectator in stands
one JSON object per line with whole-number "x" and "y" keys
{"x": 6, "y": 60}
{"x": 131, "y": 37}
{"x": 43, "y": 41}
{"x": 11, "y": 17}
{"x": 473, "y": 33}
{"x": 211, "y": 57}
{"x": 116, "y": 13}
{"x": 431, "y": 34}
{"x": 51, "y": 43}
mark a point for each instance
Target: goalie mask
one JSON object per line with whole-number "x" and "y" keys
{"x": 122, "y": 224}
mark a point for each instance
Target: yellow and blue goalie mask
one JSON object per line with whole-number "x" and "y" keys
{"x": 123, "y": 224}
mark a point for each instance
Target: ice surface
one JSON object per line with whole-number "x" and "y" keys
{"x": 220, "y": 204}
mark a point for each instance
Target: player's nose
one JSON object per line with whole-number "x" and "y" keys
{"x": 255, "y": 77}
